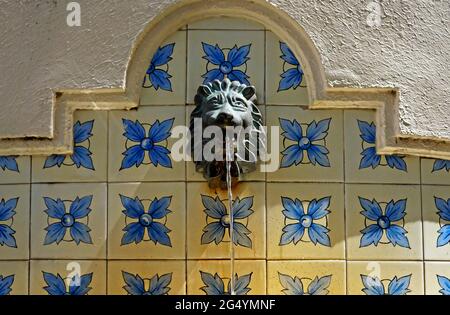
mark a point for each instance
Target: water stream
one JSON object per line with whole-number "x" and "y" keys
{"x": 229, "y": 159}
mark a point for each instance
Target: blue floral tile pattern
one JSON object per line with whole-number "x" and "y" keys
{"x": 158, "y": 285}
{"x": 237, "y": 57}
{"x": 384, "y": 223}
{"x": 9, "y": 163}
{"x": 214, "y": 284}
{"x": 444, "y": 283}
{"x": 155, "y": 76}
{"x": 313, "y": 142}
{"x": 7, "y": 215}
{"x": 135, "y": 154}
{"x": 6, "y": 284}
{"x": 441, "y": 165}
{"x": 294, "y": 285}
{"x": 81, "y": 156}
{"x": 56, "y": 285}
{"x": 294, "y": 210}
{"x": 216, "y": 210}
{"x": 396, "y": 286}
{"x": 370, "y": 157}
{"x": 62, "y": 220}
{"x": 444, "y": 215}
{"x": 153, "y": 221}
{"x": 292, "y": 76}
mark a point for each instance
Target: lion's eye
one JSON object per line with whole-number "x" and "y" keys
{"x": 238, "y": 103}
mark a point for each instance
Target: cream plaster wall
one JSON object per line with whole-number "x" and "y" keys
{"x": 40, "y": 53}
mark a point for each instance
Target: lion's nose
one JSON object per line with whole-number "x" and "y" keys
{"x": 224, "y": 118}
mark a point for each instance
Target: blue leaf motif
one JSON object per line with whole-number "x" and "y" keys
{"x": 163, "y": 55}
{"x": 443, "y": 207}
{"x": 159, "y": 78}
{"x": 399, "y": 286}
{"x": 214, "y": 207}
{"x": 396, "y": 162}
{"x": 291, "y": 130}
{"x": 134, "y": 232}
{"x": 80, "y": 285}
{"x": 55, "y": 208}
{"x": 368, "y": 131}
{"x": 291, "y": 78}
{"x": 372, "y": 209}
{"x": 6, "y": 284}
{"x": 370, "y": 158}
{"x": 80, "y": 207}
{"x": 372, "y": 285}
{"x": 133, "y": 207}
{"x": 54, "y": 160}
{"x": 9, "y": 163}
{"x": 159, "y": 234}
{"x": 240, "y": 237}
{"x": 319, "y": 234}
{"x": 242, "y": 207}
{"x": 318, "y": 131}
{"x": 55, "y": 284}
{"x": 159, "y": 207}
{"x": 444, "y": 235}
{"x": 159, "y": 285}
{"x": 319, "y": 286}
{"x": 7, "y": 208}
{"x": 292, "y": 286}
{"x": 239, "y": 56}
{"x": 134, "y": 284}
{"x": 444, "y": 282}
{"x": 134, "y": 131}
{"x": 6, "y": 236}
{"x": 440, "y": 165}
{"x": 241, "y": 284}
{"x": 82, "y": 131}
{"x": 213, "y": 284}
{"x": 213, "y": 54}
{"x": 288, "y": 55}
{"x": 317, "y": 209}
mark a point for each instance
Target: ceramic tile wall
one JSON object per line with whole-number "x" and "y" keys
{"x": 123, "y": 216}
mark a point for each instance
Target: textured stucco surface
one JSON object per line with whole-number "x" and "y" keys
{"x": 39, "y": 52}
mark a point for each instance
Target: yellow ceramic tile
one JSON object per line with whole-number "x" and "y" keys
{"x": 435, "y": 171}
{"x": 68, "y": 221}
{"x": 395, "y": 218}
{"x": 203, "y": 274}
{"x": 208, "y": 221}
{"x": 90, "y": 127}
{"x": 286, "y": 83}
{"x": 226, "y": 40}
{"x": 165, "y": 79}
{"x": 406, "y": 277}
{"x": 14, "y": 169}
{"x": 171, "y": 273}
{"x": 225, "y": 23}
{"x": 306, "y": 277}
{"x": 84, "y": 275}
{"x": 437, "y": 278}
{"x": 322, "y": 238}
{"x": 436, "y": 222}
{"x": 15, "y": 273}
{"x": 163, "y": 234}
{"x": 122, "y": 168}
{"x": 325, "y": 126}
{"x": 359, "y": 168}
{"x": 14, "y": 221}
{"x": 192, "y": 175}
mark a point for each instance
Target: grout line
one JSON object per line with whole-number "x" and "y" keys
{"x": 185, "y": 172}
{"x": 29, "y": 229}
{"x": 345, "y": 202}
{"x": 107, "y": 206}
{"x": 423, "y": 228}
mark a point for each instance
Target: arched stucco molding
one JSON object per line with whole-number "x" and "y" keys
{"x": 385, "y": 101}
